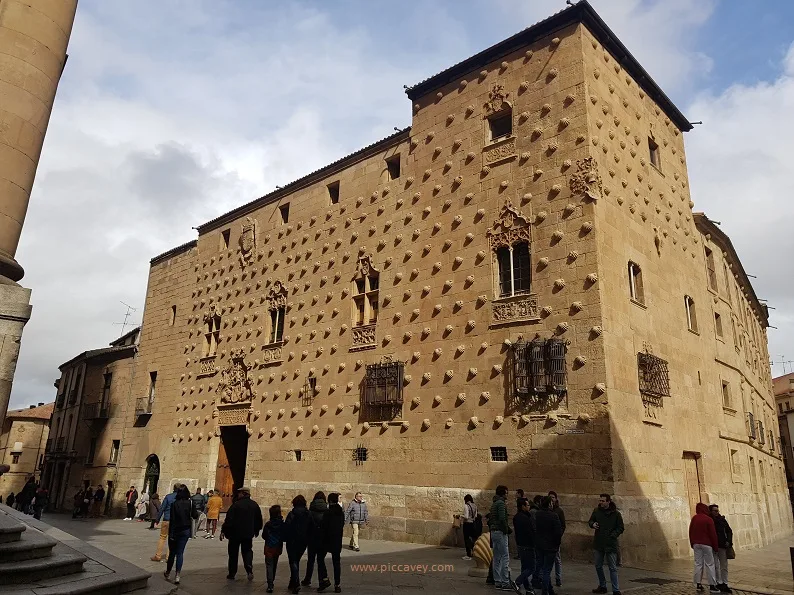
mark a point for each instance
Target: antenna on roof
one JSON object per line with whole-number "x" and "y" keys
{"x": 696, "y": 123}
{"x": 124, "y": 324}
{"x": 569, "y": 3}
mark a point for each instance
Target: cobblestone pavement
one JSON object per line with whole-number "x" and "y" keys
{"x": 380, "y": 568}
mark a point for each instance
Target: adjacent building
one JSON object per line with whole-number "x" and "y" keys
{"x": 784, "y": 397}
{"x": 23, "y": 438}
{"x": 88, "y": 421}
{"x": 515, "y": 289}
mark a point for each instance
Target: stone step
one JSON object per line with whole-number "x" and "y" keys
{"x": 10, "y": 528}
{"x": 63, "y": 561}
{"x": 33, "y": 544}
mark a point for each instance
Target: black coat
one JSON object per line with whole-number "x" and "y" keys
{"x": 548, "y": 531}
{"x": 243, "y": 520}
{"x": 182, "y": 513}
{"x": 296, "y": 529}
{"x": 524, "y": 528}
{"x": 333, "y": 527}
{"x": 559, "y": 512}
{"x": 317, "y": 510}
{"x": 724, "y": 532}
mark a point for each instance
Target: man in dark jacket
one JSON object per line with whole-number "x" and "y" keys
{"x": 317, "y": 510}
{"x": 725, "y": 541}
{"x": 555, "y": 506}
{"x": 199, "y": 502}
{"x": 703, "y": 539}
{"x": 548, "y": 535}
{"x": 524, "y": 527}
{"x": 243, "y": 523}
{"x": 25, "y": 497}
{"x": 296, "y": 529}
{"x": 132, "y": 498}
{"x": 332, "y": 528}
{"x": 500, "y": 529}
{"x": 96, "y": 505}
{"x": 608, "y": 525}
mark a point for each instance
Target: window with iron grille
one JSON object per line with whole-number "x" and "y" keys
{"x": 360, "y": 455}
{"x": 653, "y": 375}
{"x": 761, "y": 437}
{"x": 499, "y": 454}
{"x": 751, "y": 425}
{"x": 539, "y": 367}
{"x": 383, "y": 391}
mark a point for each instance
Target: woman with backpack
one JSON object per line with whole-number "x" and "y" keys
{"x": 470, "y": 520}
{"x": 317, "y": 510}
{"x": 273, "y": 534}
{"x": 296, "y": 529}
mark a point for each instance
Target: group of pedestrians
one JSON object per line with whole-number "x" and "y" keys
{"x": 32, "y": 499}
{"x": 711, "y": 538}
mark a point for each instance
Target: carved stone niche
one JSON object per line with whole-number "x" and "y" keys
{"x": 520, "y": 308}
{"x": 272, "y": 354}
{"x": 247, "y": 241}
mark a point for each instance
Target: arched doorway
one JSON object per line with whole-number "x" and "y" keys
{"x": 152, "y": 475}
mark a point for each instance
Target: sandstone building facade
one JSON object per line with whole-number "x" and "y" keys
{"x": 515, "y": 289}
{"x": 88, "y": 422}
{"x": 23, "y": 438}
{"x": 784, "y": 396}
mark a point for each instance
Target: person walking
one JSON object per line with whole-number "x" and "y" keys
{"x": 703, "y": 539}
{"x": 164, "y": 518}
{"x": 524, "y": 528}
{"x": 11, "y": 499}
{"x": 500, "y": 529}
{"x": 333, "y": 527}
{"x": 725, "y": 553}
{"x": 214, "y": 505}
{"x": 181, "y": 516}
{"x": 77, "y": 500}
{"x": 357, "y": 515}
{"x": 608, "y": 524}
{"x": 88, "y": 497}
{"x": 469, "y": 524}
{"x": 317, "y": 510}
{"x": 154, "y": 509}
{"x": 96, "y": 501}
{"x": 555, "y": 506}
{"x": 25, "y": 497}
{"x": 131, "y": 497}
{"x": 296, "y": 529}
{"x": 142, "y": 507}
{"x": 40, "y": 502}
{"x": 273, "y": 534}
{"x": 548, "y": 535}
{"x": 243, "y": 522}
{"x": 199, "y": 504}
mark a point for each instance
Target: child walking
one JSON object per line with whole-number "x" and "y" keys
{"x": 273, "y": 536}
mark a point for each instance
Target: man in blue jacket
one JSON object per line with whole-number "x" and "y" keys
{"x": 164, "y": 518}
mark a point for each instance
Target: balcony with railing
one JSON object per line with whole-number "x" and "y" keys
{"x": 143, "y": 406}
{"x": 95, "y": 411}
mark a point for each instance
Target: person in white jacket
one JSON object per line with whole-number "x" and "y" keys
{"x": 468, "y": 524}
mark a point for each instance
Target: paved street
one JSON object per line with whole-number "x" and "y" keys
{"x": 766, "y": 571}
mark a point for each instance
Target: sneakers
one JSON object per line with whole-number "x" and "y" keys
{"x": 337, "y": 589}
{"x": 616, "y": 593}
{"x": 250, "y": 576}
{"x": 306, "y": 582}
{"x": 128, "y": 519}
{"x": 176, "y": 579}
{"x": 558, "y": 583}
{"x": 600, "y": 590}
{"x": 351, "y": 547}
{"x": 324, "y": 584}
{"x": 269, "y": 589}
{"x": 230, "y": 577}
{"x": 514, "y": 586}
{"x": 724, "y": 588}
{"x": 714, "y": 589}
{"x": 155, "y": 558}
{"x": 699, "y": 587}
{"x": 167, "y": 574}
{"x": 467, "y": 558}
{"x": 356, "y": 549}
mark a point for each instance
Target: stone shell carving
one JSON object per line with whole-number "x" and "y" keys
{"x": 586, "y": 180}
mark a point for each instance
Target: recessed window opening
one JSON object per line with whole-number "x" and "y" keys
{"x": 691, "y": 317}
{"x": 14, "y": 459}
{"x": 514, "y": 271}
{"x": 501, "y": 125}
{"x": 173, "y": 315}
{"x": 298, "y": 455}
{"x": 277, "y": 324}
{"x": 284, "y": 212}
{"x": 152, "y": 385}
{"x": 712, "y": 272}
{"x": 635, "y": 283}
{"x": 718, "y": 324}
{"x": 393, "y": 167}
{"x": 499, "y": 454}
{"x": 333, "y": 192}
{"x": 653, "y": 151}
{"x": 225, "y": 235}
{"x": 726, "y": 394}
{"x": 114, "y": 452}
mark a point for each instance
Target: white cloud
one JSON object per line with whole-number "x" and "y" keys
{"x": 739, "y": 166}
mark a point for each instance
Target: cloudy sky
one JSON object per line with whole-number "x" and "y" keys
{"x": 171, "y": 112}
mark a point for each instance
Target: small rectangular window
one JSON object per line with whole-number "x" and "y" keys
{"x": 152, "y": 385}
{"x": 15, "y": 459}
{"x": 499, "y": 454}
{"x": 718, "y": 324}
{"x": 726, "y": 394}
{"x": 277, "y": 324}
{"x": 636, "y": 291}
{"x": 653, "y": 151}
{"x": 360, "y": 455}
{"x": 173, "y": 315}
{"x": 393, "y": 166}
{"x": 114, "y": 452}
{"x": 712, "y": 271}
{"x": 225, "y": 234}
{"x": 284, "y": 212}
{"x": 298, "y": 455}
{"x": 691, "y": 318}
{"x": 333, "y": 193}
{"x": 501, "y": 126}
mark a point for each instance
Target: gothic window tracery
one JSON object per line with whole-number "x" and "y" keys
{"x": 509, "y": 239}
{"x": 366, "y": 283}
{"x": 212, "y": 332}
{"x": 277, "y": 307}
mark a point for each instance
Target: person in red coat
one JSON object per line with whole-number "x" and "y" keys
{"x": 703, "y": 539}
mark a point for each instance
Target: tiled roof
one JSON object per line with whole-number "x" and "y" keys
{"x": 41, "y": 412}
{"x": 92, "y": 353}
{"x": 581, "y": 12}
{"x": 306, "y": 180}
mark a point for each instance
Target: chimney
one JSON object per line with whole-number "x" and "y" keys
{"x": 40, "y": 405}
{"x": 32, "y": 407}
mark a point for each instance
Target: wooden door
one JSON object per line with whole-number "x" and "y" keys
{"x": 692, "y": 480}
{"x": 224, "y": 482}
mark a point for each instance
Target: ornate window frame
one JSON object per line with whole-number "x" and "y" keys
{"x": 511, "y": 228}
{"x": 276, "y": 304}
{"x": 503, "y": 148}
{"x": 364, "y": 296}
{"x": 212, "y": 334}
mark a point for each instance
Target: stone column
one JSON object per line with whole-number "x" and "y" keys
{"x": 33, "y": 38}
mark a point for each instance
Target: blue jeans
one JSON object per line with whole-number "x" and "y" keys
{"x": 176, "y": 549}
{"x": 527, "y": 555}
{"x": 547, "y": 562}
{"x": 612, "y": 562}
{"x": 558, "y": 567}
{"x": 501, "y": 558}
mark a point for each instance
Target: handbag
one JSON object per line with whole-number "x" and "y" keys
{"x": 457, "y": 521}
{"x": 730, "y": 553}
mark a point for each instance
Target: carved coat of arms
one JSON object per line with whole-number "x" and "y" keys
{"x": 586, "y": 180}
{"x": 235, "y": 382}
{"x": 497, "y": 97}
{"x": 247, "y": 241}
